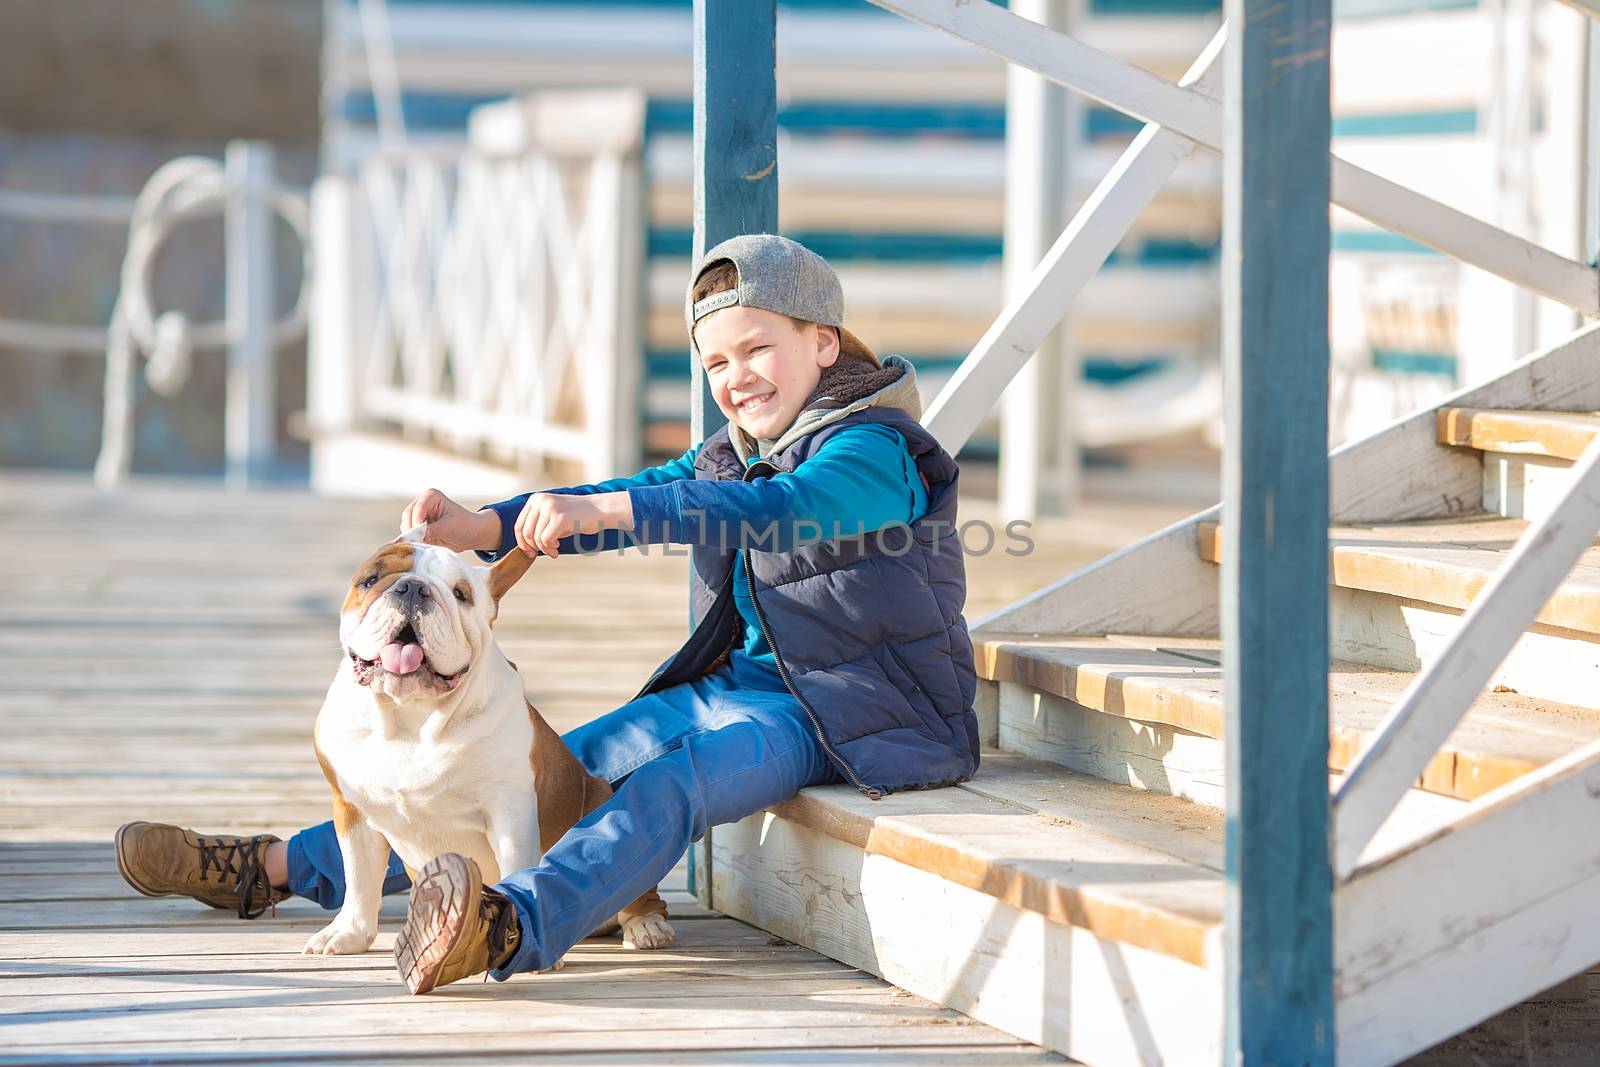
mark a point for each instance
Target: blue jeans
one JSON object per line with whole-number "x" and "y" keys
{"x": 709, "y": 751}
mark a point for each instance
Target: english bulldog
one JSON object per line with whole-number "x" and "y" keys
{"x": 430, "y": 744}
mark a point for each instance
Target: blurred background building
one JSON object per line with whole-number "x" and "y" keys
{"x": 440, "y": 322}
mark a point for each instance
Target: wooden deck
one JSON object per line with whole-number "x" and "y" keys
{"x": 166, "y": 649}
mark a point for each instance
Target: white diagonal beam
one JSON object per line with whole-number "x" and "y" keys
{"x": 1137, "y": 92}
{"x": 1073, "y": 259}
{"x": 1436, "y": 701}
{"x": 1587, "y": 7}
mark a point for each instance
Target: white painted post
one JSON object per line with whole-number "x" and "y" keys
{"x": 331, "y": 342}
{"x": 1495, "y": 321}
{"x": 1589, "y": 175}
{"x": 1560, "y": 55}
{"x": 600, "y": 391}
{"x": 631, "y": 225}
{"x": 249, "y": 432}
{"x": 1035, "y": 189}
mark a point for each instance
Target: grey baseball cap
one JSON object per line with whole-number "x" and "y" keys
{"x": 775, "y": 273}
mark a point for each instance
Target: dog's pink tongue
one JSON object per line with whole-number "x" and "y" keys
{"x": 401, "y": 659}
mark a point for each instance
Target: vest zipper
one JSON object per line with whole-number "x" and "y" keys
{"x": 783, "y": 668}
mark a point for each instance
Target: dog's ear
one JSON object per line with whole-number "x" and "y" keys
{"x": 506, "y": 571}
{"x": 417, "y": 533}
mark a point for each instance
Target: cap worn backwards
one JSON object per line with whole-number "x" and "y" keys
{"x": 775, "y": 274}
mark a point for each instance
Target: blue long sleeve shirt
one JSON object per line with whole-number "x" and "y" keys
{"x": 861, "y": 479}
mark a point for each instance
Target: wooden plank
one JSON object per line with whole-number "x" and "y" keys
{"x": 119, "y": 912}
{"x": 348, "y": 986}
{"x": 1147, "y": 756}
{"x": 1557, "y": 434}
{"x": 1450, "y": 563}
{"x": 1278, "y": 931}
{"x": 1503, "y": 736}
{"x": 1481, "y": 915}
{"x": 265, "y": 944}
{"x": 860, "y": 1046}
{"x": 652, "y": 1038}
{"x": 1092, "y": 999}
{"x": 1434, "y": 703}
{"x": 1165, "y": 762}
{"x": 193, "y": 1031}
{"x": 583, "y": 967}
{"x": 1114, "y": 886}
{"x": 1546, "y": 663}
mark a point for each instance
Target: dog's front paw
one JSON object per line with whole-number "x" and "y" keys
{"x": 554, "y": 967}
{"x": 338, "y": 939}
{"x": 647, "y": 931}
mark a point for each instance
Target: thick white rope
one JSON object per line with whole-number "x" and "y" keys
{"x": 185, "y": 188}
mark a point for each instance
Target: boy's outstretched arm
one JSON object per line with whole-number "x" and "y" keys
{"x": 862, "y": 479}
{"x": 508, "y": 511}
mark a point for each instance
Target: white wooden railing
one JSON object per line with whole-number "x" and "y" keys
{"x": 484, "y": 302}
{"x": 1179, "y": 118}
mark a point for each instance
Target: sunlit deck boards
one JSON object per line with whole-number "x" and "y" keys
{"x": 165, "y": 650}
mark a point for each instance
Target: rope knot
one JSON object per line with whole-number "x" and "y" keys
{"x": 171, "y": 355}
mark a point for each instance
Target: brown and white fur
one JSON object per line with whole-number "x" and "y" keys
{"x": 442, "y": 752}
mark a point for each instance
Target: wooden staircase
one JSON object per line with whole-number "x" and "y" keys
{"x": 1073, "y": 892}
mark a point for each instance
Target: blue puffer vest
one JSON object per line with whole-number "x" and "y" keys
{"x": 867, "y": 631}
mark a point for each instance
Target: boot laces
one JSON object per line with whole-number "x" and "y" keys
{"x": 503, "y": 931}
{"x": 241, "y": 860}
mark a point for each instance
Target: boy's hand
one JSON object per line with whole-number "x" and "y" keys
{"x": 548, "y": 517}
{"x": 451, "y": 525}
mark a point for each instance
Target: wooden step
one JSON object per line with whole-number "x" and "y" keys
{"x": 1053, "y": 905}
{"x": 1149, "y": 711}
{"x": 1552, "y": 434}
{"x": 1400, "y": 590}
{"x": 1527, "y": 455}
{"x": 1445, "y": 563}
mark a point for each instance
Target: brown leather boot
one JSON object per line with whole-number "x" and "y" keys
{"x": 455, "y": 927}
{"x": 223, "y": 871}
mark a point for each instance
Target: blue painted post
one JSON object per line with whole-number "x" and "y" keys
{"x": 735, "y": 140}
{"x": 1278, "y": 919}
{"x": 735, "y": 185}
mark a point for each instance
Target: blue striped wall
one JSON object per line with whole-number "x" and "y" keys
{"x": 672, "y": 364}
{"x": 449, "y": 111}
{"x": 944, "y": 247}
{"x": 1401, "y": 361}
